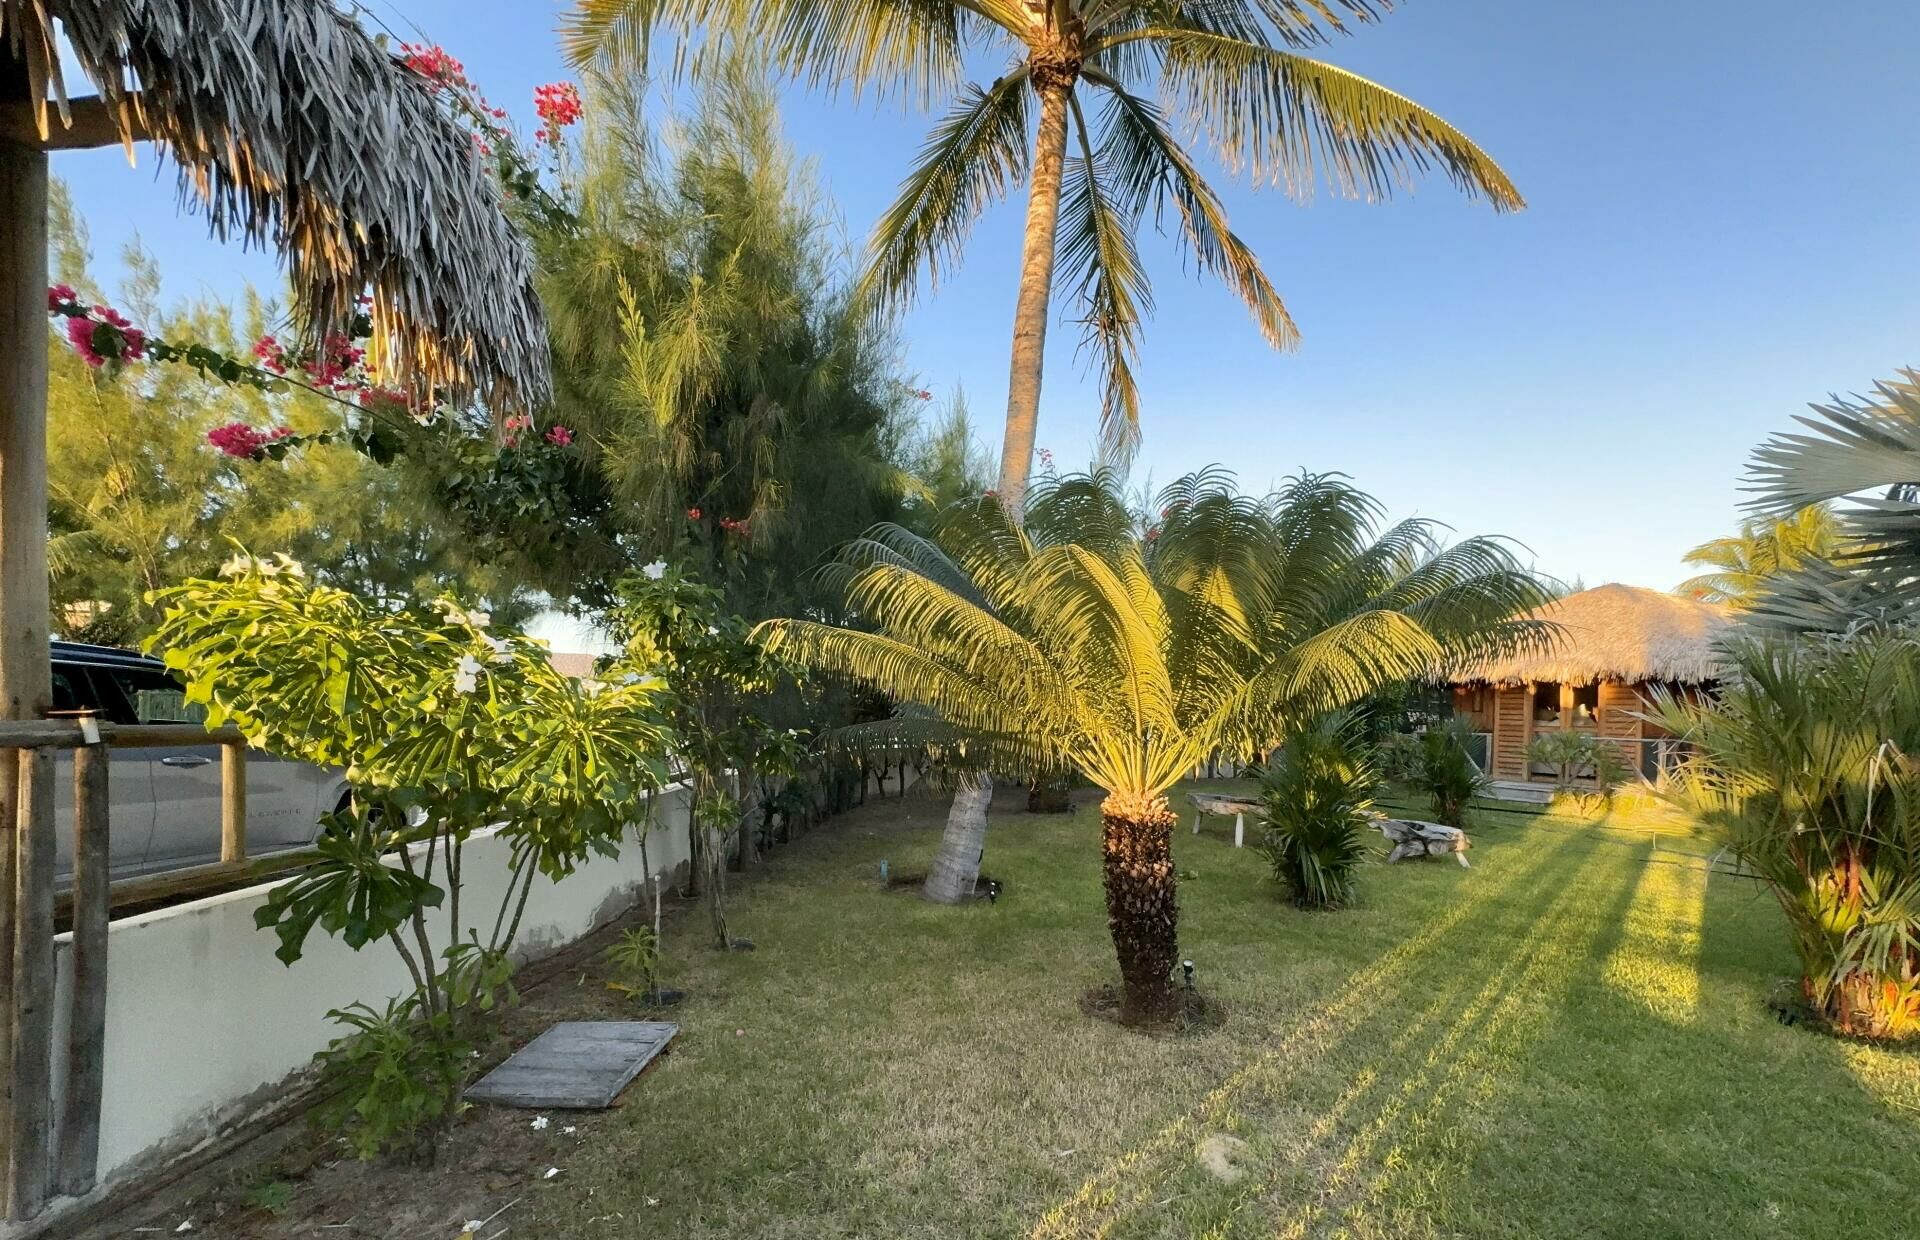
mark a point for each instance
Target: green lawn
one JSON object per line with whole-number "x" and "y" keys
{"x": 1571, "y": 1038}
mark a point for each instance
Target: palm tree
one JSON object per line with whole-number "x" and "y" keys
{"x": 1866, "y": 449}
{"x": 1744, "y": 564}
{"x": 1233, "y": 70}
{"x": 1805, "y": 767}
{"x": 1068, "y": 640}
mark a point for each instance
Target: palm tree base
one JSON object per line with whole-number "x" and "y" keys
{"x": 1142, "y": 912}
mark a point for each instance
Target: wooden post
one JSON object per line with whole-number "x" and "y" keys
{"x": 87, "y": 1021}
{"x": 26, "y": 676}
{"x": 31, "y": 1121}
{"x": 233, "y": 801}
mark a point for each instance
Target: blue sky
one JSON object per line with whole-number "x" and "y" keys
{"x": 1721, "y": 228}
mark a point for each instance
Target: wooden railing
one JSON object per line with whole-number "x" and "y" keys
{"x": 35, "y": 1168}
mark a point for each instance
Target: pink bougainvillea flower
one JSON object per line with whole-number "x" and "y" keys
{"x": 59, "y": 296}
{"x": 558, "y": 104}
{"x": 237, "y": 439}
{"x": 559, "y": 436}
{"x": 432, "y": 62}
{"x": 80, "y": 334}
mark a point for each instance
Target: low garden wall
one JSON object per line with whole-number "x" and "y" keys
{"x": 203, "y": 1021}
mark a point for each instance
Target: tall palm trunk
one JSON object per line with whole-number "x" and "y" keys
{"x": 1036, "y": 288}
{"x": 957, "y": 865}
{"x": 1136, "y": 846}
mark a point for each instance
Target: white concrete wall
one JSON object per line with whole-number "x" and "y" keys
{"x": 202, "y": 1017}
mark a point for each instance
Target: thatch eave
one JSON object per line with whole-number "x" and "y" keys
{"x": 292, "y": 127}
{"x": 1614, "y": 633}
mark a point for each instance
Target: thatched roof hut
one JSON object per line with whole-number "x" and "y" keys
{"x": 1611, "y": 648}
{"x": 293, "y": 128}
{"x": 1619, "y": 633}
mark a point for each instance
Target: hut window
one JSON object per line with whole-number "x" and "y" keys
{"x": 1586, "y": 703}
{"x": 1546, "y": 703}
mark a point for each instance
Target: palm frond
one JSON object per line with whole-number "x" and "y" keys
{"x": 1149, "y": 166}
{"x": 1101, "y": 260}
{"x": 1292, "y": 121}
{"x": 976, "y": 152}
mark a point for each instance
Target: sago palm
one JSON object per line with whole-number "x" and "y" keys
{"x": 1808, "y": 768}
{"x": 1068, "y": 640}
{"x": 1233, "y": 73}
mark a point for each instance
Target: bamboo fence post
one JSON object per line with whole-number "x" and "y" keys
{"x": 26, "y": 673}
{"x": 233, "y": 801}
{"x": 33, "y": 979}
{"x": 79, "y": 1155}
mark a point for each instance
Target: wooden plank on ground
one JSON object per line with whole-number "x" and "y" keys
{"x": 578, "y": 1065}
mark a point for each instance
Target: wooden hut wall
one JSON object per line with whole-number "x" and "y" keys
{"x": 1512, "y": 729}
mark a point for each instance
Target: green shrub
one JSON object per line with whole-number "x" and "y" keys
{"x": 400, "y": 1071}
{"x": 1318, "y": 790}
{"x": 1585, "y": 767}
{"x": 1447, "y": 774}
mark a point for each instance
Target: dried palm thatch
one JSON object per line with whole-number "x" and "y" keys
{"x": 1616, "y": 632}
{"x": 293, "y": 127}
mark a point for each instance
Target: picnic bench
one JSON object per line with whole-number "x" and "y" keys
{"x": 1222, "y": 806}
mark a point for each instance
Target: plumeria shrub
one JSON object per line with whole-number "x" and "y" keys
{"x": 445, "y": 729}
{"x": 678, "y": 634}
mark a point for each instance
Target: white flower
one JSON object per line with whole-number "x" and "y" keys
{"x": 539, "y": 1123}
{"x": 466, "y": 674}
{"x": 473, "y": 1226}
{"x": 712, "y": 631}
{"x": 656, "y": 570}
{"x": 502, "y": 651}
{"x": 569, "y": 1130}
{"x": 464, "y": 682}
{"x": 290, "y": 566}
{"x": 238, "y": 566}
{"x": 479, "y": 619}
{"x": 416, "y": 815}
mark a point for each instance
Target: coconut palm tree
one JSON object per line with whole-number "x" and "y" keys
{"x": 1086, "y": 111}
{"x": 1745, "y": 563}
{"x": 1069, "y": 640}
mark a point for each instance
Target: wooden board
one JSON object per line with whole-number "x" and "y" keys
{"x": 577, "y": 1064}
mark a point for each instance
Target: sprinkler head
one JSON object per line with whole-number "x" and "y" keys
{"x": 993, "y": 891}
{"x": 1186, "y": 970}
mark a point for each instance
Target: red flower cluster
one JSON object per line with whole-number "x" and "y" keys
{"x": 431, "y": 61}
{"x": 693, "y": 514}
{"x": 103, "y": 335}
{"x": 513, "y": 426}
{"x": 558, "y": 104}
{"x": 337, "y": 369}
{"x": 734, "y": 527}
{"x": 239, "y": 439}
{"x": 559, "y": 436}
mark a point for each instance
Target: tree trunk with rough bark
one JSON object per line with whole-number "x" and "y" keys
{"x": 1036, "y": 290}
{"x": 957, "y": 865}
{"x": 1142, "y": 913}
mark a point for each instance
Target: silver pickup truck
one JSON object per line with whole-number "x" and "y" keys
{"x": 165, "y": 803}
